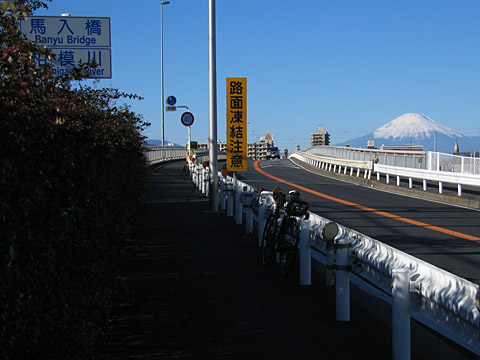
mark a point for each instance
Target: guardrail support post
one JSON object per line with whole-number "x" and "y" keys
{"x": 248, "y": 204}
{"x": 401, "y": 313}
{"x": 305, "y": 253}
{"x": 238, "y": 205}
{"x": 440, "y": 187}
{"x": 410, "y": 183}
{"x": 202, "y": 185}
{"x": 398, "y": 180}
{"x": 330, "y": 254}
{"x": 229, "y": 192}
{"x": 261, "y": 220}
{"x": 222, "y": 196}
{"x": 460, "y": 188}
{"x": 424, "y": 185}
{"x": 206, "y": 180}
{"x": 342, "y": 280}
{"x": 199, "y": 178}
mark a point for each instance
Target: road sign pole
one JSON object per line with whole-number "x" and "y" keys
{"x": 212, "y": 140}
{"x": 161, "y": 65}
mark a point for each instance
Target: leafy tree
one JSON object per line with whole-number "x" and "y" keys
{"x": 72, "y": 169}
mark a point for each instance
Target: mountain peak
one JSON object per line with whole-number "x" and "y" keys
{"x": 413, "y": 126}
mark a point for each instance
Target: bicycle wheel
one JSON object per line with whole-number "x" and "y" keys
{"x": 269, "y": 240}
{"x": 289, "y": 251}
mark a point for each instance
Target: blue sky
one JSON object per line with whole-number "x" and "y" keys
{"x": 350, "y": 65}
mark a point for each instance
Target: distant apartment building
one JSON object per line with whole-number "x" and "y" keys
{"x": 320, "y": 137}
{"x": 255, "y": 150}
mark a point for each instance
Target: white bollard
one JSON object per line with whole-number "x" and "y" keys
{"x": 229, "y": 191}
{"x": 261, "y": 220}
{"x": 206, "y": 180}
{"x": 248, "y": 205}
{"x": 238, "y": 206}
{"x": 222, "y": 197}
{"x": 330, "y": 254}
{"x": 305, "y": 253}
{"x": 401, "y": 313}
{"x": 342, "y": 280}
{"x": 204, "y": 176}
{"x": 199, "y": 178}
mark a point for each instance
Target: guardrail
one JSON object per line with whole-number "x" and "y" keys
{"x": 438, "y": 299}
{"x": 428, "y": 160}
{"x": 366, "y": 168}
{"x": 158, "y": 154}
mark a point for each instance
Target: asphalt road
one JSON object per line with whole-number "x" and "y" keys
{"x": 443, "y": 235}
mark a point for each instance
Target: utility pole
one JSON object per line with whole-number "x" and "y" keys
{"x": 212, "y": 140}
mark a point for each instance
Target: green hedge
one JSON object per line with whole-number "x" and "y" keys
{"x": 72, "y": 171}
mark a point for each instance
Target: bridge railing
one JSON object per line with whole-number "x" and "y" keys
{"x": 365, "y": 168}
{"x": 158, "y": 154}
{"x": 428, "y": 160}
{"x": 438, "y": 299}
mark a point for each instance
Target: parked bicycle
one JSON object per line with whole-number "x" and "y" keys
{"x": 280, "y": 234}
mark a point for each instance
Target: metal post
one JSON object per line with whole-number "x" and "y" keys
{"x": 261, "y": 219}
{"x": 238, "y": 205}
{"x": 248, "y": 205}
{"x": 330, "y": 254}
{"x": 229, "y": 199}
{"x": 305, "y": 253}
{"x": 222, "y": 194}
{"x": 161, "y": 61}
{"x": 212, "y": 140}
{"x": 206, "y": 181}
{"x": 342, "y": 280}
{"x": 401, "y": 313}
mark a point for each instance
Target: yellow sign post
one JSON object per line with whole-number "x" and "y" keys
{"x": 237, "y": 124}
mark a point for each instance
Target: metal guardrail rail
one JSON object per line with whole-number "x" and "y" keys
{"x": 438, "y": 299}
{"x": 366, "y": 168}
{"x": 158, "y": 154}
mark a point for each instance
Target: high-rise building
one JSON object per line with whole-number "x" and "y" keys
{"x": 320, "y": 137}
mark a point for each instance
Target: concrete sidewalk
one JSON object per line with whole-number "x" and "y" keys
{"x": 196, "y": 289}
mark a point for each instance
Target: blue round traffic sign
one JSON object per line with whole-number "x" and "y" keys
{"x": 171, "y": 100}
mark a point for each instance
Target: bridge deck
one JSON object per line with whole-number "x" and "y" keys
{"x": 195, "y": 289}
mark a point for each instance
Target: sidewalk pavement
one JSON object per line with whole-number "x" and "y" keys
{"x": 197, "y": 290}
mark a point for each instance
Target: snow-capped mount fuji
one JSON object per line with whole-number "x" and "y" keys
{"x": 413, "y": 126}
{"x": 418, "y": 129}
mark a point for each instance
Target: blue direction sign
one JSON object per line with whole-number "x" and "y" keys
{"x": 67, "y": 31}
{"x": 73, "y": 40}
{"x": 171, "y": 100}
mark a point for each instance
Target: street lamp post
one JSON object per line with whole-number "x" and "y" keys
{"x": 161, "y": 61}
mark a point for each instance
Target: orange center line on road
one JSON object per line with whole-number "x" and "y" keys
{"x": 365, "y": 208}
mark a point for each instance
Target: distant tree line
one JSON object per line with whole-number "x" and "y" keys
{"x": 72, "y": 172}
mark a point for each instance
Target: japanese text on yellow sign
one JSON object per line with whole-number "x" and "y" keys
{"x": 237, "y": 124}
